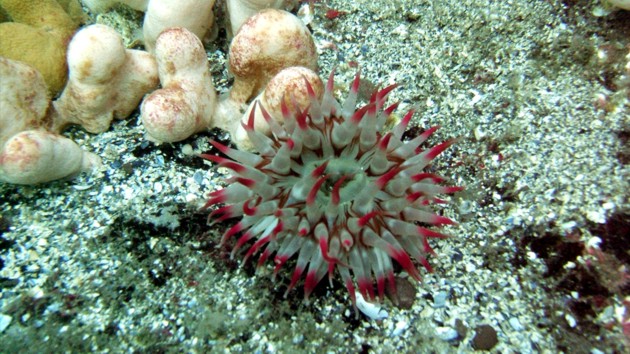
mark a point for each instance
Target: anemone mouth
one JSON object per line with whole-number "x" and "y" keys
{"x": 344, "y": 179}
{"x": 329, "y": 190}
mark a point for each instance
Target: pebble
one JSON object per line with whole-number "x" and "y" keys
{"x": 446, "y": 333}
{"x": 401, "y": 326}
{"x": 568, "y": 225}
{"x": 371, "y": 310}
{"x": 570, "y": 320}
{"x": 470, "y": 268}
{"x": 405, "y": 294}
{"x": 466, "y": 207}
{"x": 198, "y": 177}
{"x": 5, "y": 320}
{"x": 596, "y": 216}
{"x": 485, "y": 337}
{"x": 190, "y": 197}
{"x": 439, "y": 300}
{"x": 516, "y": 324}
{"x": 116, "y": 164}
{"x": 297, "y": 339}
{"x": 187, "y": 150}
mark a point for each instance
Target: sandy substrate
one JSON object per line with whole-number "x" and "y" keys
{"x": 123, "y": 261}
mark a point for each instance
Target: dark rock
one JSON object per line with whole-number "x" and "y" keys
{"x": 405, "y": 294}
{"x": 485, "y": 338}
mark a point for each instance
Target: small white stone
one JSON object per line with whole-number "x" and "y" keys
{"x": 608, "y": 315}
{"x": 401, "y": 31}
{"x": 299, "y": 338}
{"x": 600, "y": 11}
{"x": 5, "y": 320}
{"x": 438, "y": 72}
{"x": 32, "y": 256}
{"x": 570, "y": 320}
{"x": 128, "y": 193}
{"x": 81, "y": 187}
{"x": 401, "y": 326}
{"x": 516, "y": 324}
{"x": 371, "y": 310}
{"x": 36, "y": 293}
{"x": 446, "y": 333}
{"x": 476, "y": 97}
{"x": 187, "y": 150}
{"x": 479, "y": 133}
{"x": 596, "y": 216}
{"x": 620, "y": 313}
{"x": 593, "y": 242}
{"x": 568, "y": 225}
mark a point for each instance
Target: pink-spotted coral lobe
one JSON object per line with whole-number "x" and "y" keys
{"x": 333, "y": 191}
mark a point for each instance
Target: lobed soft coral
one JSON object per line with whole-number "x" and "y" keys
{"x": 29, "y": 154}
{"x": 288, "y": 89}
{"x": 186, "y": 102}
{"x": 106, "y": 80}
{"x": 37, "y": 156}
{"x": 266, "y": 43}
{"x": 194, "y": 15}
{"x": 241, "y": 10}
{"x": 24, "y": 98}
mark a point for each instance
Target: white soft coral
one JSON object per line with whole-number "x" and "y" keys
{"x": 185, "y": 105}
{"x": 28, "y": 153}
{"x": 106, "y": 80}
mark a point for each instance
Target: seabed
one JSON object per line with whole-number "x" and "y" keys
{"x": 123, "y": 261}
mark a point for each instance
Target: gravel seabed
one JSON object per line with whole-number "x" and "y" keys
{"x": 122, "y": 260}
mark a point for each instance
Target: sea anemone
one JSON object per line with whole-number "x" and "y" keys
{"x": 330, "y": 187}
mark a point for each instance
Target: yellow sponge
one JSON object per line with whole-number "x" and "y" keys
{"x": 38, "y": 35}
